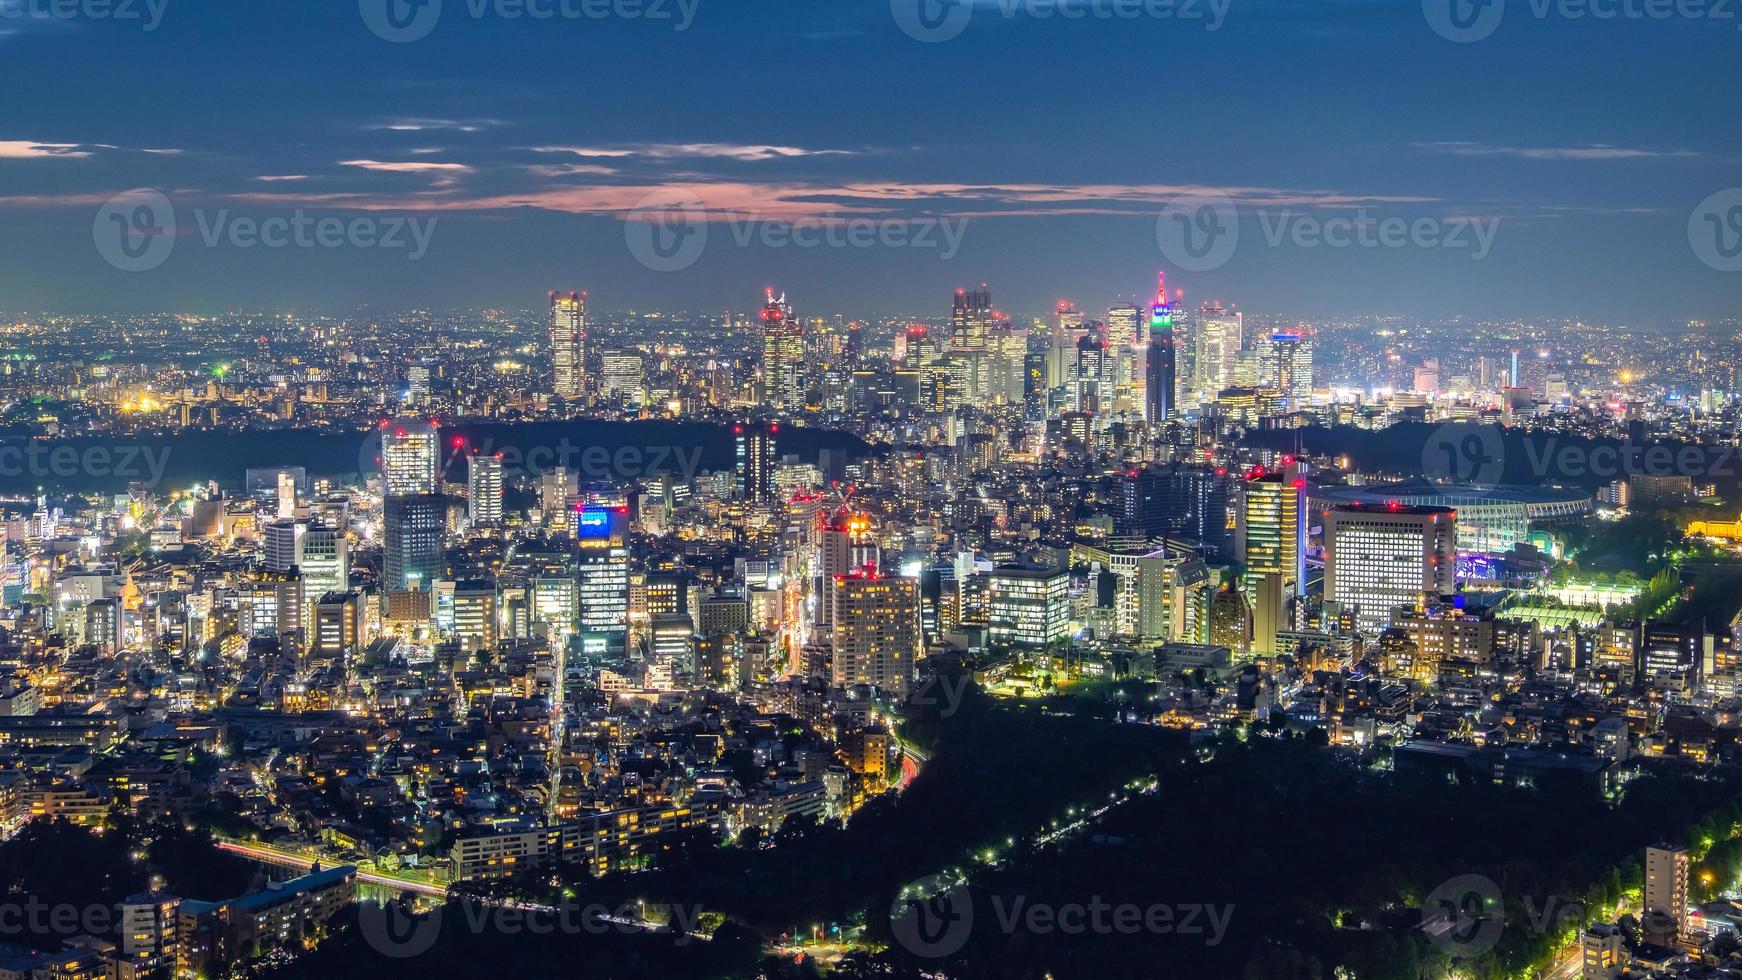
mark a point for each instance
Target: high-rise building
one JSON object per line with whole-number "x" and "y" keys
{"x": 1289, "y": 368}
{"x": 568, "y": 346}
{"x": 756, "y": 461}
{"x": 476, "y": 614}
{"x": 1159, "y": 387}
{"x": 876, "y": 631}
{"x": 1379, "y": 559}
{"x": 322, "y": 559}
{"x": 1028, "y": 608}
{"x": 1666, "y": 893}
{"x": 1219, "y": 336}
{"x": 413, "y": 527}
{"x": 603, "y": 566}
{"x": 783, "y": 356}
{"x": 411, "y": 455}
{"x": 1271, "y": 541}
{"x": 280, "y": 544}
{"x": 484, "y": 489}
{"x": 971, "y": 321}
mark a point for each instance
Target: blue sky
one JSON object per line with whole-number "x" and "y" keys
{"x": 531, "y": 141}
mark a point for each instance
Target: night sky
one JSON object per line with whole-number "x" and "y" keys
{"x": 1596, "y": 144}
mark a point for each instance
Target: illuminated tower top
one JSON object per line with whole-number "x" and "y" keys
{"x": 1161, "y": 314}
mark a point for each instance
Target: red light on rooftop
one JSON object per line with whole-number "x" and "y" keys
{"x": 1299, "y": 484}
{"x": 1288, "y": 460}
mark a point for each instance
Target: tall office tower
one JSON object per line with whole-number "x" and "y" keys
{"x": 1377, "y": 560}
{"x": 1159, "y": 403}
{"x": 1290, "y": 368}
{"x": 1173, "y": 596}
{"x": 323, "y": 560}
{"x": 286, "y": 495}
{"x": 1219, "y": 337}
{"x": 756, "y": 458}
{"x": 1067, "y": 329}
{"x": 1008, "y": 357}
{"x": 411, "y": 455}
{"x": 1027, "y": 608}
{"x": 568, "y": 346}
{"x": 672, "y": 644}
{"x": 416, "y": 384}
{"x": 623, "y": 379}
{"x": 1666, "y": 893}
{"x": 1271, "y": 542}
{"x": 1093, "y": 388}
{"x": 783, "y": 362}
{"x": 280, "y": 544}
{"x": 918, "y": 347}
{"x": 1125, "y": 344}
{"x": 484, "y": 489}
{"x": 413, "y": 530}
{"x": 876, "y": 631}
{"x": 477, "y": 614}
{"x": 971, "y": 321}
{"x": 845, "y": 546}
{"x": 601, "y": 536}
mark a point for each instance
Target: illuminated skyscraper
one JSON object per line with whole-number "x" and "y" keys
{"x": 1271, "y": 542}
{"x": 1219, "y": 339}
{"x": 413, "y": 526}
{"x": 971, "y": 321}
{"x": 1289, "y": 367}
{"x": 1159, "y": 363}
{"x": 876, "y": 634}
{"x": 568, "y": 346}
{"x": 755, "y": 462}
{"x": 484, "y": 489}
{"x": 1377, "y": 560}
{"x": 410, "y": 458}
{"x": 603, "y": 564}
{"x": 783, "y": 363}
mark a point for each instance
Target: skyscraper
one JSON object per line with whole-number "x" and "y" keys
{"x": 410, "y": 457}
{"x": 603, "y": 565}
{"x": 1271, "y": 542}
{"x": 755, "y": 461}
{"x": 1159, "y": 387}
{"x": 413, "y": 527}
{"x": 783, "y": 374}
{"x": 568, "y": 346}
{"x": 1666, "y": 893}
{"x": 970, "y": 320}
{"x": 1219, "y": 339}
{"x": 1377, "y": 560}
{"x": 322, "y": 558}
{"x": 484, "y": 489}
{"x": 876, "y": 634}
{"x": 1290, "y": 367}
